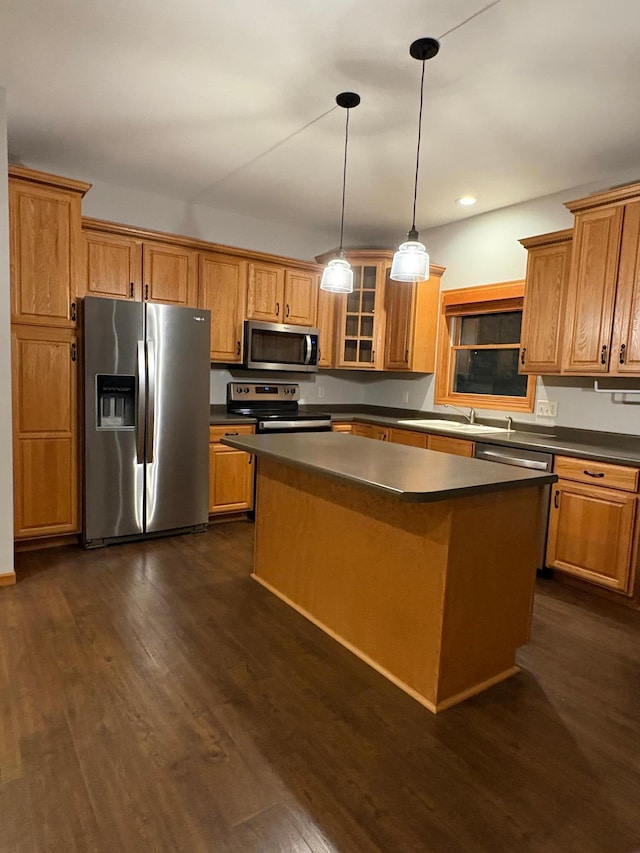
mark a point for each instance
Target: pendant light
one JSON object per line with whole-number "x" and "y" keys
{"x": 411, "y": 261}
{"x": 337, "y": 276}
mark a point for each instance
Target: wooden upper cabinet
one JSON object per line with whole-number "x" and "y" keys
{"x": 326, "y": 325}
{"x": 45, "y": 424}
{"x": 625, "y": 344}
{"x": 113, "y": 266}
{"x": 300, "y": 297}
{"x": 223, "y": 291}
{"x": 278, "y": 294}
{"x": 411, "y": 323}
{"x": 265, "y": 293}
{"x": 45, "y": 247}
{"x": 543, "y": 316}
{"x": 360, "y": 316}
{"x": 592, "y": 290}
{"x": 170, "y": 274}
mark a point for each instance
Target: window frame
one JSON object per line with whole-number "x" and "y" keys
{"x": 482, "y": 299}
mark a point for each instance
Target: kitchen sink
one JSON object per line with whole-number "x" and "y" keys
{"x": 441, "y": 423}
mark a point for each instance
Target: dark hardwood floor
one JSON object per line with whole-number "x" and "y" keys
{"x": 154, "y": 698}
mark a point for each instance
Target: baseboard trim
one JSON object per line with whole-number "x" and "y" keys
{"x": 46, "y": 542}
{"x": 7, "y": 579}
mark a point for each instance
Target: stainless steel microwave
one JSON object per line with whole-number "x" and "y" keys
{"x": 278, "y": 346}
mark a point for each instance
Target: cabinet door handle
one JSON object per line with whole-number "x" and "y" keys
{"x": 373, "y": 356}
{"x": 286, "y": 313}
{"x": 146, "y": 293}
{"x": 73, "y": 311}
{"x": 623, "y": 354}
{"x": 74, "y": 352}
{"x": 603, "y": 354}
{"x": 238, "y": 348}
{"x": 232, "y": 433}
{"x": 277, "y": 309}
{"x": 406, "y": 356}
{"x": 597, "y": 474}
{"x": 250, "y": 460}
{"x": 130, "y": 290}
{"x": 522, "y": 355}
{"x": 556, "y": 495}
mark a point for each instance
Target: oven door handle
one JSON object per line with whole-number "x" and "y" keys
{"x": 307, "y": 349}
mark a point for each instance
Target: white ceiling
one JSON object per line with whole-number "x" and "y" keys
{"x": 211, "y": 101}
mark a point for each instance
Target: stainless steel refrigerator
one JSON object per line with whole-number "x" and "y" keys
{"x": 146, "y": 424}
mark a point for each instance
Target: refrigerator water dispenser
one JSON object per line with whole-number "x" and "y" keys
{"x": 116, "y": 397}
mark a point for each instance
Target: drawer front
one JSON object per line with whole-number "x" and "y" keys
{"x": 218, "y": 432}
{"x": 408, "y": 437}
{"x": 341, "y": 427}
{"x": 597, "y": 473}
{"x": 457, "y": 446}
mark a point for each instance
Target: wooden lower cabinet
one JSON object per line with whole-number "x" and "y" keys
{"x": 45, "y": 417}
{"x": 408, "y": 437}
{"x": 592, "y": 534}
{"x": 370, "y": 431}
{"x": 348, "y": 428}
{"x": 230, "y": 473}
{"x": 457, "y": 446}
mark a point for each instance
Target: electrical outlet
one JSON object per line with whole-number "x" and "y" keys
{"x": 547, "y": 408}
{"x": 320, "y": 391}
{"x": 405, "y": 396}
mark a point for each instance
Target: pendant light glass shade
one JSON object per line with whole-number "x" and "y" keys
{"x": 411, "y": 261}
{"x": 337, "y": 276}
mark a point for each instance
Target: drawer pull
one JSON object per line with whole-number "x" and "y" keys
{"x": 593, "y": 473}
{"x": 603, "y": 354}
{"x": 232, "y": 433}
{"x": 555, "y": 499}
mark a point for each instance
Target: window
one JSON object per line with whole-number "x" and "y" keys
{"x": 479, "y": 346}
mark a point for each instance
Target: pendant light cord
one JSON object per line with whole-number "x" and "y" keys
{"x": 415, "y": 186}
{"x": 344, "y": 178}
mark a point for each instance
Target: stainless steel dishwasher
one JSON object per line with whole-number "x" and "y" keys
{"x": 524, "y": 459}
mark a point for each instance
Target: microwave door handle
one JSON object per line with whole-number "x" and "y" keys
{"x": 307, "y": 349}
{"x": 142, "y": 402}
{"x": 151, "y": 410}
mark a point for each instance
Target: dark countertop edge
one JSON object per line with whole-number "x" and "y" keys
{"x": 534, "y": 439}
{"x": 522, "y": 439}
{"x": 537, "y": 479}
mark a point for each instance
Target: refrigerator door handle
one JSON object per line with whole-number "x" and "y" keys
{"x": 142, "y": 402}
{"x": 151, "y": 405}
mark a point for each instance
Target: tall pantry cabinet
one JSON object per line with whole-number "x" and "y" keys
{"x": 45, "y": 266}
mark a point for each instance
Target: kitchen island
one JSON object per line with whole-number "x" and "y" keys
{"x": 421, "y": 563}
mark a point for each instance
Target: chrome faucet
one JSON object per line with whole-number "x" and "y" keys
{"x": 471, "y": 417}
{"x": 509, "y": 421}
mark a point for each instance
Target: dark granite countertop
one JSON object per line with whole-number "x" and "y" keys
{"x": 408, "y": 473}
{"x": 563, "y": 441}
{"x": 585, "y": 444}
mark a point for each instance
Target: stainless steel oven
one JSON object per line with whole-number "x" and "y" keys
{"x": 278, "y": 346}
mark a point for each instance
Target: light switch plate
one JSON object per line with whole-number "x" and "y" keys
{"x": 320, "y": 392}
{"x": 405, "y": 396}
{"x": 547, "y": 408}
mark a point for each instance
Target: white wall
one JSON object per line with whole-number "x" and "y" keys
{"x": 136, "y": 207}
{"x": 485, "y": 249}
{"x": 6, "y": 461}
{"x": 322, "y": 388}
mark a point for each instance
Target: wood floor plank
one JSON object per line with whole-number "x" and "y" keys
{"x": 154, "y": 698}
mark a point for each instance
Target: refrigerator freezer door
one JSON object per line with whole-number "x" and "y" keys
{"x": 113, "y": 478}
{"x": 177, "y": 478}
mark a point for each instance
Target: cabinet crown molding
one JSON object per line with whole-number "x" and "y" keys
{"x": 615, "y": 195}
{"x": 45, "y": 179}
{"x": 550, "y": 239}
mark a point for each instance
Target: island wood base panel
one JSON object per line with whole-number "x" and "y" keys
{"x": 435, "y": 596}
{"x": 8, "y": 579}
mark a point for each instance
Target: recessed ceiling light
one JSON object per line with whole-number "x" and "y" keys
{"x": 466, "y": 200}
